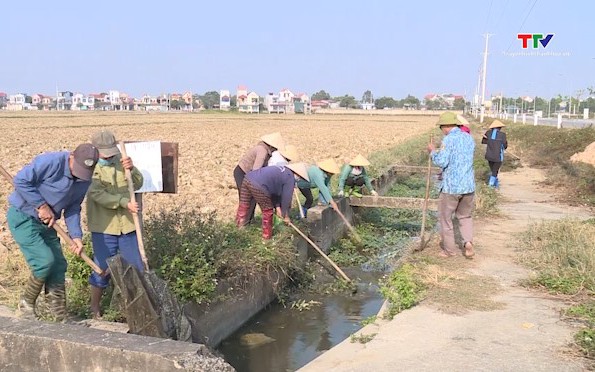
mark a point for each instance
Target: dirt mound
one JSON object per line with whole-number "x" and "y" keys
{"x": 587, "y": 156}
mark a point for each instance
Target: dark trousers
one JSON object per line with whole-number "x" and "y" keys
{"x": 495, "y": 167}
{"x": 238, "y": 176}
{"x": 309, "y": 198}
{"x": 352, "y": 181}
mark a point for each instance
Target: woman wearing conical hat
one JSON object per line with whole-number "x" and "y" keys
{"x": 256, "y": 158}
{"x": 354, "y": 175}
{"x": 496, "y": 143}
{"x": 320, "y": 178}
{"x": 283, "y": 156}
{"x": 272, "y": 188}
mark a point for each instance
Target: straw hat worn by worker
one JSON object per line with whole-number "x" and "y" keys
{"x": 457, "y": 189}
{"x": 320, "y": 178}
{"x": 496, "y": 143}
{"x": 284, "y": 156}
{"x": 354, "y": 175}
{"x": 272, "y": 188}
{"x": 256, "y": 158}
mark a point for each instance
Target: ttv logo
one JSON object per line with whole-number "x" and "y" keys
{"x": 544, "y": 40}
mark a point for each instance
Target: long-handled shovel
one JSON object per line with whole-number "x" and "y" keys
{"x": 139, "y": 233}
{"x": 157, "y": 311}
{"x": 351, "y": 228}
{"x": 297, "y": 199}
{"x": 63, "y": 234}
{"x": 423, "y": 242}
{"x": 321, "y": 252}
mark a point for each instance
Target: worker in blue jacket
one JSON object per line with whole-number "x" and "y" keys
{"x": 54, "y": 184}
{"x": 496, "y": 143}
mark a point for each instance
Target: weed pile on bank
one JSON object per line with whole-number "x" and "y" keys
{"x": 562, "y": 254}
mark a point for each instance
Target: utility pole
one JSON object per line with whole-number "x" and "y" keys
{"x": 500, "y": 106}
{"x": 484, "y": 69}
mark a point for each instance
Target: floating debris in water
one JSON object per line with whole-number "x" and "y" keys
{"x": 255, "y": 339}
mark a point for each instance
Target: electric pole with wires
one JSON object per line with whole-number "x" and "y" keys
{"x": 483, "y": 80}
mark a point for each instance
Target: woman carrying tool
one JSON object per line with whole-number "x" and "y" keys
{"x": 354, "y": 175}
{"x": 256, "y": 158}
{"x": 54, "y": 183}
{"x": 272, "y": 188}
{"x": 109, "y": 213}
{"x": 319, "y": 177}
{"x": 496, "y": 143}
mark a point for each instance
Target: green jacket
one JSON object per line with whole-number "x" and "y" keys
{"x": 108, "y": 197}
{"x": 346, "y": 172}
{"x": 318, "y": 179}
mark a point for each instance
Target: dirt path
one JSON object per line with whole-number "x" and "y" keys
{"x": 522, "y": 332}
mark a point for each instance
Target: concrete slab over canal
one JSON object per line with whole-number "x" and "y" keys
{"x": 27, "y": 345}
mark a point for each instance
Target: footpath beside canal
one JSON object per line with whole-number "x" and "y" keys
{"x": 520, "y": 330}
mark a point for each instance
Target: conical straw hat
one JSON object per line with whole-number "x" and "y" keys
{"x": 359, "y": 161}
{"x": 290, "y": 153}
{"x": 448, "y": 118}
{"x": 329, "y": 166}
{"x": 497, "y": 124}
{"x": 274, "y": 140}
{"x": 462, "y": 120}
{"x": 300, "y": 169}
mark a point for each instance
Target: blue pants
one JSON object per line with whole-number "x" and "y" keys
{"x": 106, "y": 246}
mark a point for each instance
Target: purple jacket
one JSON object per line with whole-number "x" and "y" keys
{"x": 278, "y": 182}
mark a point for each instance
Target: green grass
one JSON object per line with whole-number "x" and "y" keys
{"x": 402, "y": 289}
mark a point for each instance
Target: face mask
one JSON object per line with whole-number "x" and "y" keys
{"x": 102, "y": 161}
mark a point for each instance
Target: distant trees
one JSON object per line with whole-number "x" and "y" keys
{"x": 210, "y": 99}
{"x": 321, "y": 95}
{"x": 459, "y": 104}
{"x": 385, "y": 102}
{"x": 367, "y": 97}
{"x": 347, "y": 101}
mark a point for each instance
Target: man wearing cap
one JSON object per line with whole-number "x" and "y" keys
{"x": 256, "y": 158}
{"x": 354, "y": 174}
{"x": 496, "y": 143}
{"x": 319, "y": 177}
{"x": 109, "y": 212}
{"x": 457, "y": 190}
{"x": 272, "y": 187}
{"x": 52, "y": 184}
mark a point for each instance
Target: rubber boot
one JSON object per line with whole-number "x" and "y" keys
{"x": 96, "y": 294}
{"x": 56, "y": 299}
{"x": 496, "y": 183}
{"x": 492, "y": 181}
{"x": 242, "y": 214}
{"x": 267, "y": 224}
{"x": 27, "y": 302}
{"x": 305, "y": 210}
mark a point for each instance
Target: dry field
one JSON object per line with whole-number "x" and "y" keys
{"x": 210, "y": 144}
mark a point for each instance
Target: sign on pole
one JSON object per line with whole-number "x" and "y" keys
{"x": 147, "y": 158}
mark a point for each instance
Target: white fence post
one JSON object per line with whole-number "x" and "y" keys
{"x": 514, "y": 118}
{"x": 535, "y": 118}
{"x": 524, "y": 118}
{"x": 559, "y": 120}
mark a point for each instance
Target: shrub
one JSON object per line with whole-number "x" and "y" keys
{"x": 402, "y": 289}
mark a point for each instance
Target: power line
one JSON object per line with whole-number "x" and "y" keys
{"x": 488, "y": 16}
{"x": 522, "y": 24}
{"x": 503, "y": 11}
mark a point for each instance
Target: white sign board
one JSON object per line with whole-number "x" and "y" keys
{"x": 146, "y": 156}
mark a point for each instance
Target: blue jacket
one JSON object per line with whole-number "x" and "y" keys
{"x": 455, "y": 157}
{"x": 48, "y": 180}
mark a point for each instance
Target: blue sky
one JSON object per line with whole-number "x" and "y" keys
{"x": 392, "y": 48}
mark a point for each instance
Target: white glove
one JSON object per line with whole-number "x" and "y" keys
{"x": 374, "y": 193}
{"x": 340, "y": 194}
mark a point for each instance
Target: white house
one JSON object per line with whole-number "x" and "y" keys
{"x": 247, "y": 102}
{"x": 224, "y": 100}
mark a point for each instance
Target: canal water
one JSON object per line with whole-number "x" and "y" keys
{"x": 285, "y": 339}
{"x": 282, "y": 338}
